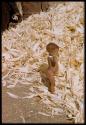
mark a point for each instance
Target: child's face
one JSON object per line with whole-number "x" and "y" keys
{"x": 54, "y": 53}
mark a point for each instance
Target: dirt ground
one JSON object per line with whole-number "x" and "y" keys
{"x": 26, "y": 110}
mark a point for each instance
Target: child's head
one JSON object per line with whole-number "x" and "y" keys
{"x": 52, "y": 48}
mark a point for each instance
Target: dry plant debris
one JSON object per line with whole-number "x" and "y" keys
{"x": 24, "y": 50}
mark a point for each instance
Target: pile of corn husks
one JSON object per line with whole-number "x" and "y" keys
{"x": 24, "y": 51}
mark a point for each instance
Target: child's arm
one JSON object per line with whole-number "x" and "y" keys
{"x": 51, "y": 61}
